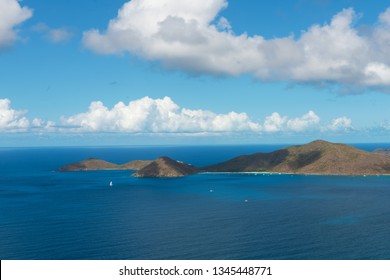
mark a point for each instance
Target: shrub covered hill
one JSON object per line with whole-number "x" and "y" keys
{"x": 166, "y": 167}
{"x": 317, "y": 157}
{"x": 92, "y": 164}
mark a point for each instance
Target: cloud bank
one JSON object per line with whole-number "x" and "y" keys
{"x": 11, "y": 15}
{"x": 148, "y": 115}
{"x": 163, "y": 116}
{"x": 190, "y": 36}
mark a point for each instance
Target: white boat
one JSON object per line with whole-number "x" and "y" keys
{"x": 111, "y": 184}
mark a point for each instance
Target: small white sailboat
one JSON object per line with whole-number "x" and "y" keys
{"x": 111, "y": 184}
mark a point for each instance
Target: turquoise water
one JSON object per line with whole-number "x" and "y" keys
{"x": 52, "y": 215}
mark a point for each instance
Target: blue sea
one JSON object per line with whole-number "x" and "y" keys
{"x": 76, "y": 215}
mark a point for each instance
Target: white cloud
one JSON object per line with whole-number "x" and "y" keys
{"x": 192, "y": 37}
{"x": 56, "y": 35}
{"x": 274, "y": 123}
{"x": 377, "y": 74}
{"x": 43, "y": 125}
{"x": 148, "y": 115}
{"x": 341, "y": 123}
{"x": 11, "y": 15}
{"x": 10, "y": 119}
{"x": 163, "y": 116}
{"x": 277, "y": 123}
{"x": 307, "y": 121}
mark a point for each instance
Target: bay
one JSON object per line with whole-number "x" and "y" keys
{"x": 76, "y": 215}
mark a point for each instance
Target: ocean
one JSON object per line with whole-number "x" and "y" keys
{"x": 76, "y": 215}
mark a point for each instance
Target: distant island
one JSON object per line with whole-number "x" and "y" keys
{"x": 161, "y": 167}
{"x": 92, "y": 164}
{"x": 317, "y": 157}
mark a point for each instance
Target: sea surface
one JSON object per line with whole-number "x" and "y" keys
{"x": 76, "y": 215}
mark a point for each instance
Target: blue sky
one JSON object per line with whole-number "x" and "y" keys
{"x": 199, "y": 72}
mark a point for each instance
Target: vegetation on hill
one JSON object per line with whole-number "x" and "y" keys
{"x": 317, "y": 157}
{"x": 166, "y": 167}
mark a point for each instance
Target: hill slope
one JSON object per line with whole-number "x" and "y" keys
{"x": 92, "y": 164}
{"x": 89, "y": 165}
{"x": 384, "y": 152}
{"x": 166, "y": 167}
{"x": 135, "y": 164}
{"x": 317, "y": 157}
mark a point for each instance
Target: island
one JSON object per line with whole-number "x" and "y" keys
{"x": 92, "y": 164}
{"x": 316, "y": 158}
{"x": 161, "y": 167}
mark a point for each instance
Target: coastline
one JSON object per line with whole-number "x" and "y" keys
{"x": 297, "y": 174}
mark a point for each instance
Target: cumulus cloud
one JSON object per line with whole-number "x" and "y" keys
{"x": 39, "y": 124}
{"x": 55, "y": 35}
{"x": 148, "y": 115}
{"x": 10, "y": 119}
{"x": 276, "y": 123}
{"x": 192, "y": 37}
{"x": 341, "y": 123}
{"x": 307, "y": 121}
{"x": 164, "y": 116}
{"x": 11, "y": 15}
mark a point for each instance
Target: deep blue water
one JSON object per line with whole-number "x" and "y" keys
{"x": 76, "y": 215}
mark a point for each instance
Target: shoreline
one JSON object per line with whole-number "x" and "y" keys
{"x": 297, "y": 174}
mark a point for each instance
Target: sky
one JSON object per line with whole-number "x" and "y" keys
{"x": 151, "y": 72}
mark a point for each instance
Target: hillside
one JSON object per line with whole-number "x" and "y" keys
{"x": 166, "y": 167}
{"x": 384, "y": 152}
{"x": 89, "y": 165}
{"x": 135, "y": 164}
{"x": 317, "y": 157}
{"x": 92, "y": 164}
